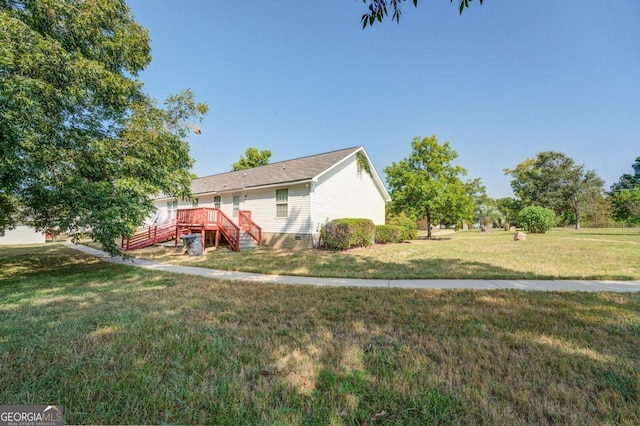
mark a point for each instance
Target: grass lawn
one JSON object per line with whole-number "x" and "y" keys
{"x": 598, "y": 254}
{"x": 119, "y": 345}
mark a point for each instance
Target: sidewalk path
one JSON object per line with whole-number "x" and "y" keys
{"x": 547, "y": 285}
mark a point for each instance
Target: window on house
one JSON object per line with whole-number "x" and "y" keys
{"x": 172, "y": 207}
{"x": 216, "y": 201}
{"x": 236, "y": 205}
{"x": 282, "y": 203}
{"x": 194, "y": 203}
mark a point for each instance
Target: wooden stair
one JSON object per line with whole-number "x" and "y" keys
{"x": 146, "y": 236}
{"x": 245, "y": 236}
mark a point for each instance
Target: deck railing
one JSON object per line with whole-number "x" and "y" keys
{"x": 187, "y": 219}
{"x": 249, "y": 226}
{"x": 200, "y": 216}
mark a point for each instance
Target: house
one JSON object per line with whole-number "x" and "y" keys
{"x": 291, "y": 200}
{"x": 21, "y": 234}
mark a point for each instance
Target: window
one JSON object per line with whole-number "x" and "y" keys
{"x": 236, "y": 205}
{"x": 172, "y": 207}
{"x": 194, "y": 203}
{"x": 216, "y": 201}
{"x": 282, "y": 203}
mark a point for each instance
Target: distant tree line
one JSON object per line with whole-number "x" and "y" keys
{"x": 427, "y": 188}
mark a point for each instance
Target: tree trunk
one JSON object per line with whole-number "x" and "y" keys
{"x": 576, "y": 211}
{"x": 428, "y": 211}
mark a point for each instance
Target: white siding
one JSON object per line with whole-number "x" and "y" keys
{"x": 341, "y": 192}
{"x": 22, "y": 235}
{"x": 203, "y": 201}
{"x": 344, "y": 192}
{"x": 262, "y": 204}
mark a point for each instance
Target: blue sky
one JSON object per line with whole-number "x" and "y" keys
{"x": 501, "y": 83}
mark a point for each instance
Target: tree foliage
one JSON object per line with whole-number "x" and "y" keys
{"x": 379, "y": 9}
{"x": 628, "y": 180}
{"x": 83, "y": 148}
{"x": 428, "y": 184}
{"x": 252, "y": 158}
{"x": 484, "y": 208}
{"x": 597, "y": 211}
{"x": 626, "y": 205}
{"x": 625, "y": 196}
{"x": 553, "y": 180}
{"x": 536, "y": 219}
{"x": 510, "y": 207}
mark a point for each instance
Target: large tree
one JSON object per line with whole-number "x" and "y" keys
{"x": 379, "y": 9}
{"x": 625, "y": 196}
{"x": 628, "y": 180}
{"x": 82, "y": 148}
{"x": 626, "y": 205}
{"x": 553, "y": 180}
{"x": 252, "y": 158}
{"x": 427, "y": 184}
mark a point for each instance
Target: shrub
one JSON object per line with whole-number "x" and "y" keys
{"x": 409, "y": 224}
{"x": 536, "y": 219}
{"x": 341, "y": 234}
{"x": 386, "y": 234}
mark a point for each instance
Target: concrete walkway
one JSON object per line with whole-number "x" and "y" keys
{"x": 563, "y": 285}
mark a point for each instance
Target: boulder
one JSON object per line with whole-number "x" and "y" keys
{"x": 519, "y": 236}
{"x": 513, "y": 228}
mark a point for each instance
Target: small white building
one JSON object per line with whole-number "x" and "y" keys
{"x": 21, "y": 234}
{"x": 291, "y": 200}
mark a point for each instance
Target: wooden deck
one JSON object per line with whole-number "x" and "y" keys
{"x": 207, "y": 221}
{"x": 202, "y": 221}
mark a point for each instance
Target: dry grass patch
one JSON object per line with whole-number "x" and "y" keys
{"x": 561, "y": 254}
{"x": 124, "y": 345}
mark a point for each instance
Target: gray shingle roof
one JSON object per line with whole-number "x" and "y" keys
{"x": 282, "y": 172}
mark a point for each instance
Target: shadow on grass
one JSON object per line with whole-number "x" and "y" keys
{"x": 359, "y": 267}
{"x": 458, "y": 357}
{"x": 621, "y": 233}
{"x": 160, "y": 348}
{"x": 436, "y": 238}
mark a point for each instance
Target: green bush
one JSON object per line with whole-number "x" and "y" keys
{"x": 409, "y": 224}
{"x": 342, "y": 234}
{"x": 386, "y": 234}
{"x": 536, "y": 219}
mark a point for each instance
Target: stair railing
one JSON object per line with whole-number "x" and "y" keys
{"x": 249, "y": 226}
{"x": 229, "y": 229}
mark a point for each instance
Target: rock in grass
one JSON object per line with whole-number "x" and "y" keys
{"x": 519, "y": 236}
